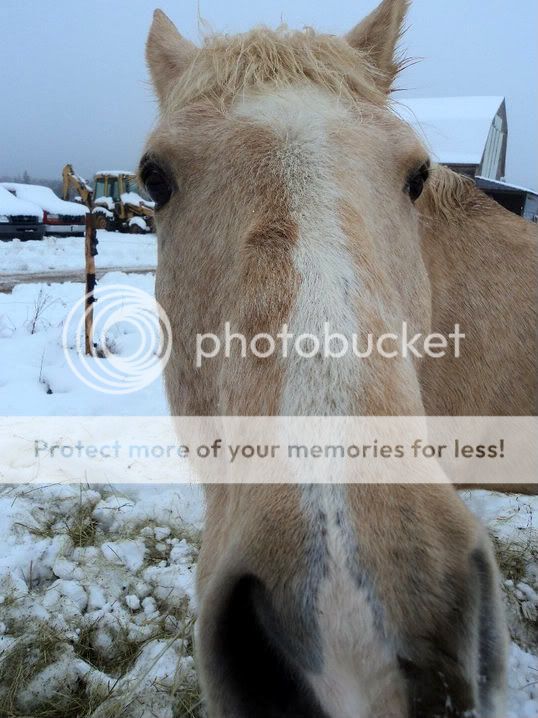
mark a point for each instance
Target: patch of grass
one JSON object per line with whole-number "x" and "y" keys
{"x": 38, "y": 646}
{"x": 185, "y": 690}
{"x": 515, "y": 563}
{"x": 176, "y": 621}
{"x": 23, "y": 662}
{"x": 80, "y": 526}
{"x": 117, "y": 662}
{"x": 154, "y": 554}
{"x": 512, "y": 559}
{"x": 188, "y": 701}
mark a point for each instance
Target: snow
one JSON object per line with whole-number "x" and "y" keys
{"x": 95, "y": 607}
{"x": 109, "y": 570}
{"x": 103, "y": 210}
{"x": 127, "y": 553}
{"x": 45, "y": 198}
{"x": 136, "y": 199}
{"x": 500, "y": 184}
{"x": 454, "y": 129}
{"x": 115, "y": 173}
{"x": 133, "y": 602}
{"x": 55, "y": 253}
{"x": 138, "y": 222}
{"x": 34, "y": 376}
{"x": 11, "y": 206}
{"x": 104, "y": 200}
{"x": 119, "y": 588}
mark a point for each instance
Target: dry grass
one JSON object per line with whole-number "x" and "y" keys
{"x": 116, "y": 663}
{"x": 513, "y": 559}
{"x": 22, "y": 663}
{"x": 37, "y": 646}
{"x": 31, "y": 654}
{"x": 80, "y": 525}
{"x": 515, "y": 562}
{"x": 189, "y": 702}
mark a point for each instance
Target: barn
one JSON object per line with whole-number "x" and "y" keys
{"x": 470, "y": 135}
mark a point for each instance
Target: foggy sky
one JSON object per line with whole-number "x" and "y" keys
{"x": 75, "y": 87}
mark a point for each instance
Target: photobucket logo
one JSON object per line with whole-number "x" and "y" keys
{"x": 132, "y": 340}
{"x": 330, "y": 345}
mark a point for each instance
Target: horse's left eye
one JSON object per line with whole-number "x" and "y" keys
{"x": 416, "y": 181}
{"x": 158, "y": 184}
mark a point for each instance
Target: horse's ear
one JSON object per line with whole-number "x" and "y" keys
{"x": 168, "y": 54}
{"x": 378, "y": 35}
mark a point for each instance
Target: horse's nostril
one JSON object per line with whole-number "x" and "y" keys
{"x": 255, "y": 673}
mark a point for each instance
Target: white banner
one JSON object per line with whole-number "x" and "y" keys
{"x": 146, "y": 449}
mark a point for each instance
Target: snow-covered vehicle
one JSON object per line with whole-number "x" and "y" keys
{"x": 19, "y": 219}
{"x": 117, "y": 202}
{"x": 59, "y": 217}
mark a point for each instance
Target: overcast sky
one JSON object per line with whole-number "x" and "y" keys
{"x": 75, "y": 87}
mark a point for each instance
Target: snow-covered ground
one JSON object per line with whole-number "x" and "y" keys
{"x": 35, "y": 378}
{"x": 96, "y": 582}
{"x": 115, "y": 249}
{"x": 97, "y": 586}
{"x": 97, "y": 601}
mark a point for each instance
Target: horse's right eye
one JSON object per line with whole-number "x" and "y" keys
{"x": 416, "y": 181}
{"x": 158, "y": 184}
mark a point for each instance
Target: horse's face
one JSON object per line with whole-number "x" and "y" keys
{"x": 286, "y": 195}
{"x": 283, "y": 203}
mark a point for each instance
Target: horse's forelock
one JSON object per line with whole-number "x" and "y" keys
{"x": 227, "y": 66}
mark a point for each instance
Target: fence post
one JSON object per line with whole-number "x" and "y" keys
{"x": 90, "y": 250}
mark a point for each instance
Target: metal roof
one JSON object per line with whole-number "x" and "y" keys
{"x": 454, "y": 129}
{"x": 506, "y": 186}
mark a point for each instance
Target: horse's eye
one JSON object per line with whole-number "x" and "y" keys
{"x": 158, "y": 184}
{"x": 416, "y": 181}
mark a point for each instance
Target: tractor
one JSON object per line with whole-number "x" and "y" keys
{"x": 115, "y": 201}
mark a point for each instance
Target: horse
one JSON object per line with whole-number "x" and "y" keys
{"x": 482, "y": 262}
{"x": 289, "y": 193}
{"x": 480, "y": 256}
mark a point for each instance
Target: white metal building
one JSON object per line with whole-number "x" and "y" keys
{"x": 469, "y": 134}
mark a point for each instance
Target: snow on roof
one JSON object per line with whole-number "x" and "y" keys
{"x": 115, "y": 173}
{"x": 11, "y": 206}
{"x": 45, "y": 198}
{"x": 454, "y": 129}
{"x": 506, "y": 185}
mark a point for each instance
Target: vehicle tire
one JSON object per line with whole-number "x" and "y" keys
{"x": 101, "y": 221}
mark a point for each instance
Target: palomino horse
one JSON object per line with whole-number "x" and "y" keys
{"x": 483, "y": 265}
{"x": 287, "y": 192}
{"x": 482, "y": 262}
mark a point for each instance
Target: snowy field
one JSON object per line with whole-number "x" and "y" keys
{"x": 67, "y": 253}
{"x": 97, "y": 582}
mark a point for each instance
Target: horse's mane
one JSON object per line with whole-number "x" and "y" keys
{"x": 226, "y": 66}
{"x": 452, "y": 197}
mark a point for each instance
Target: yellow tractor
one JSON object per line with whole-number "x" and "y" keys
{"x": 115, "y": 201}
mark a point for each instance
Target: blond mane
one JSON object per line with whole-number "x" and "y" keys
{"x": 453, "y": 197}
{"x": 227, "y": 66}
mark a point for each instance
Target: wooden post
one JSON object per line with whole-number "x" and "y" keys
{"x": 90, "y": 251}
